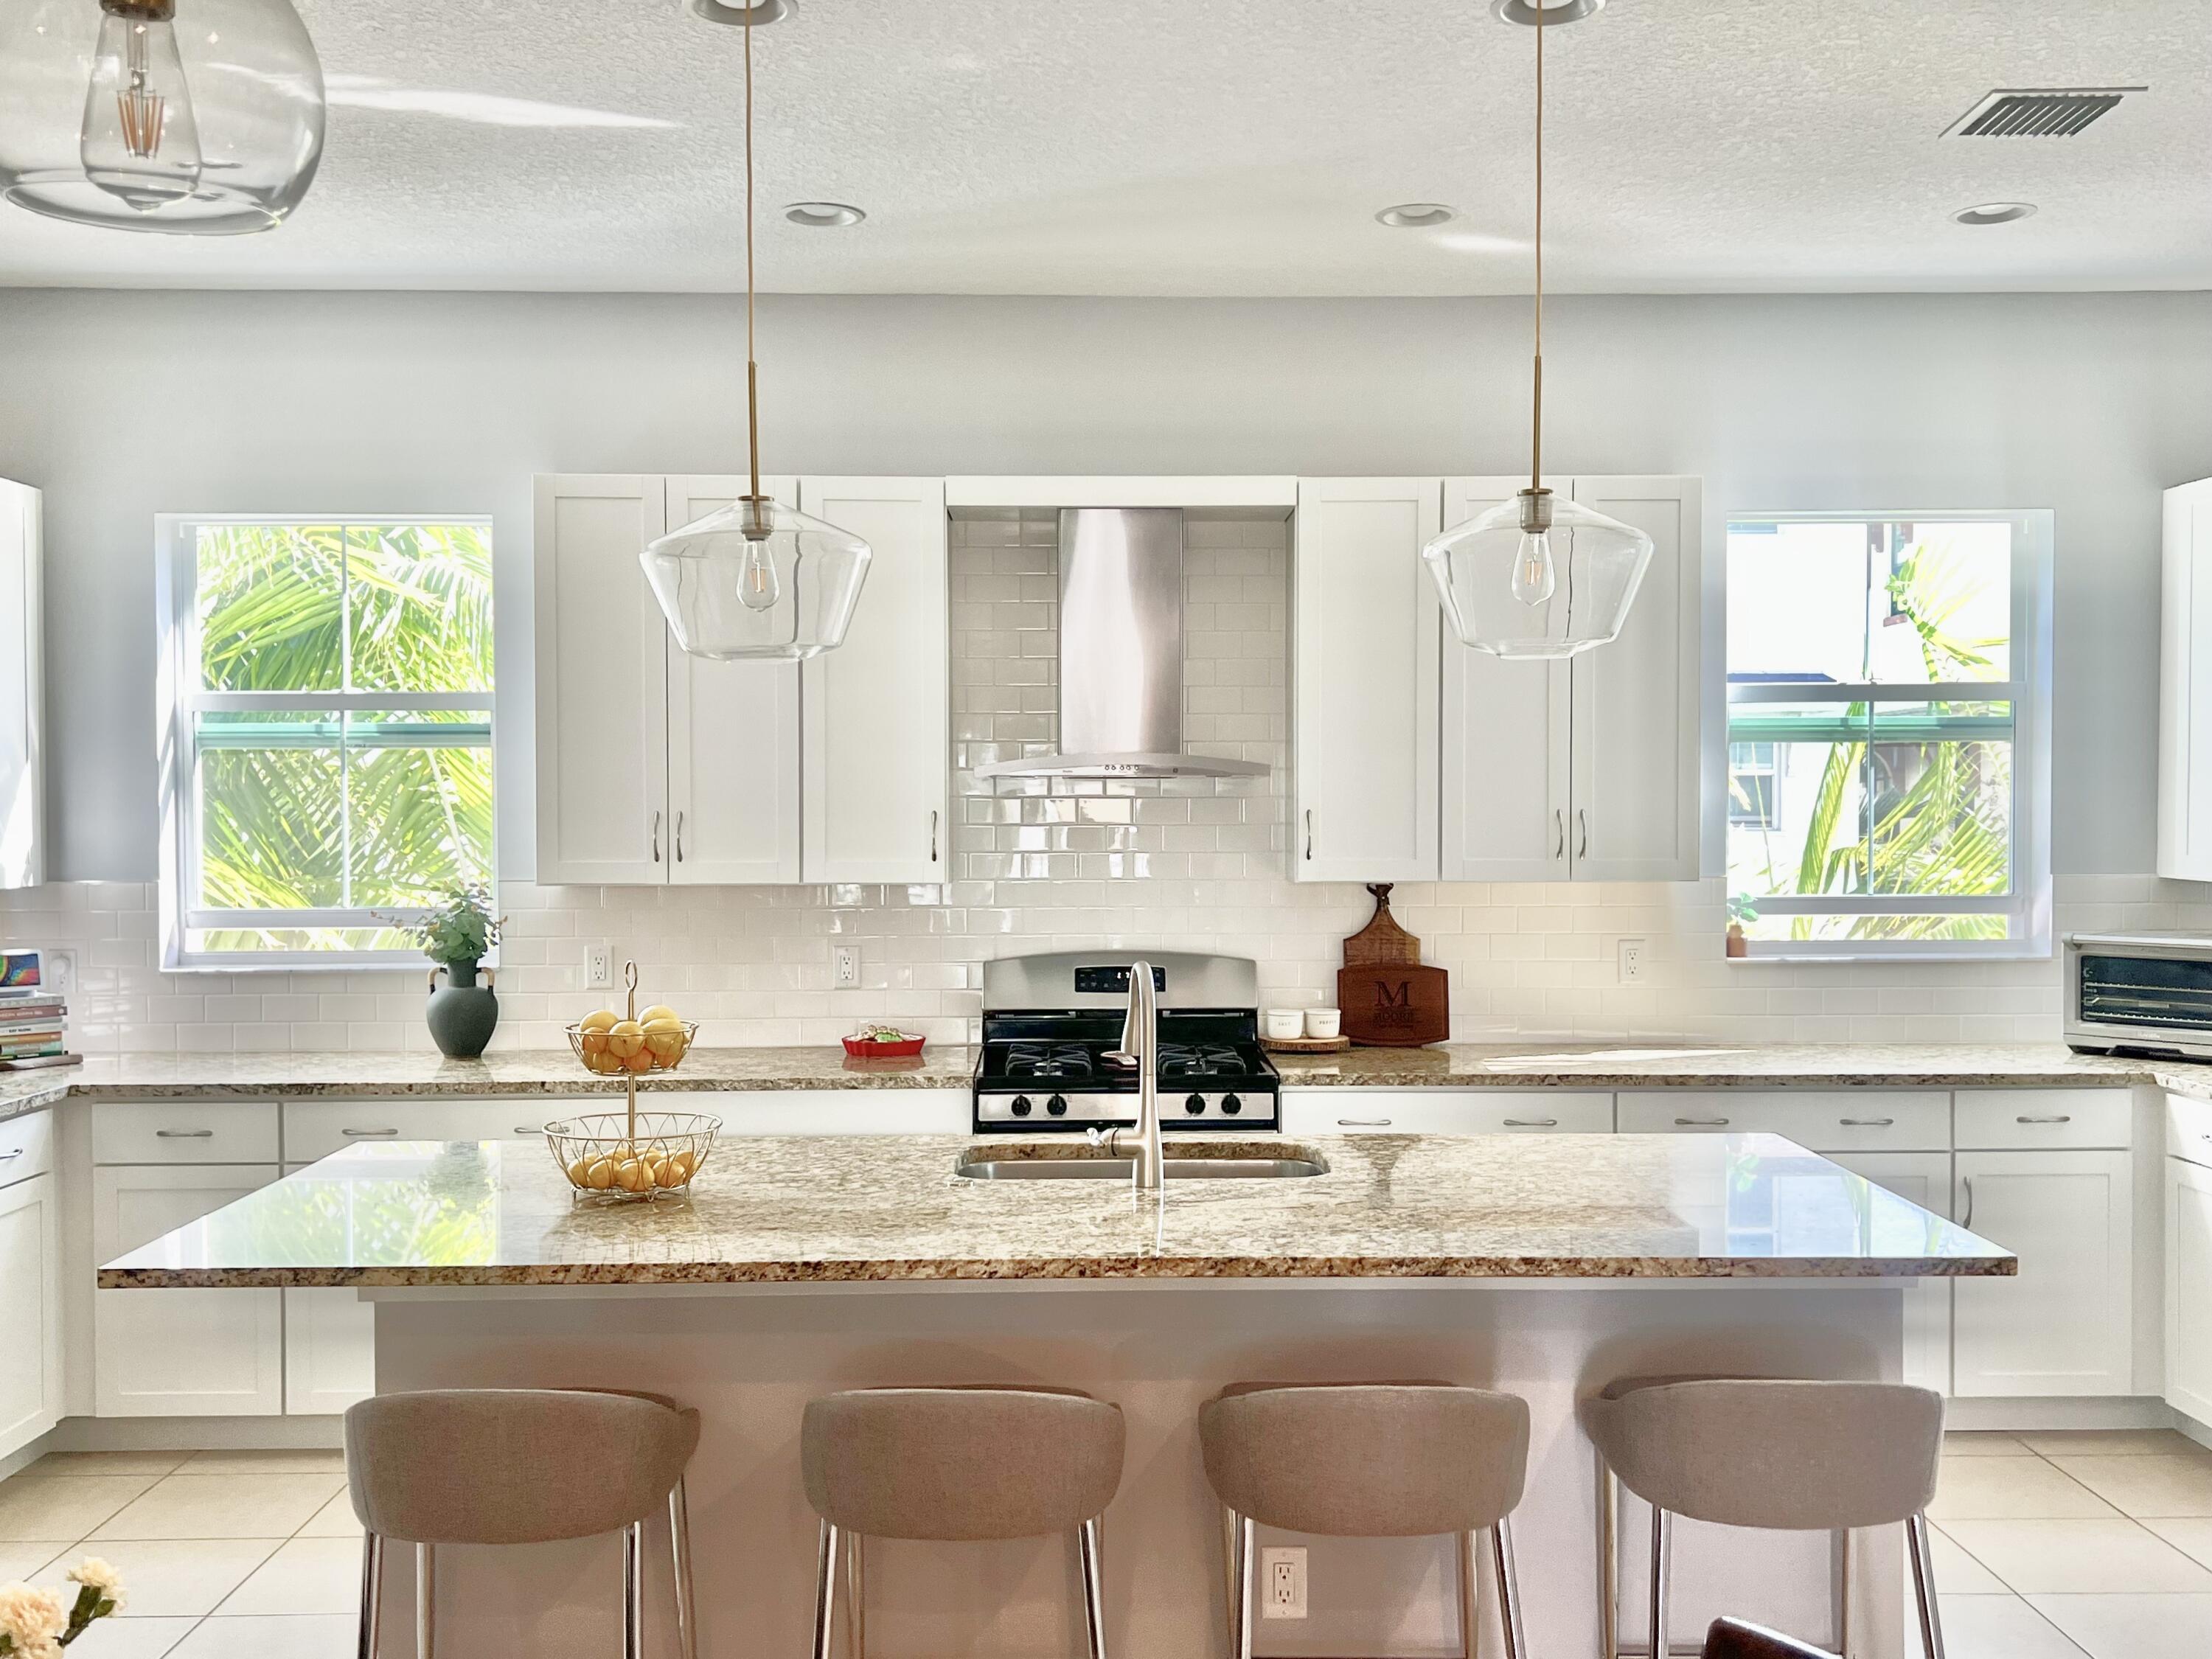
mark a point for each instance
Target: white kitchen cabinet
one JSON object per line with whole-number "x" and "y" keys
{"x": 2065, "y": 1326}
{"x": 1366, "y": 631}
{"x": 329, "y": 1336}
{"x": 1921, "y": 1178}
{"x": 876, "y": 713}
{"x": 22, "y": 696}
{"x": 838, "y": 1111}
{"x": 180, "y": 1354}
{"x": 2184, "y": 686}
{"x": 1585, "y": 769}
{"x": 2189, "y": 1288}
{"x": 30, "y": 1312}
{"x": 1337, "y": 1110}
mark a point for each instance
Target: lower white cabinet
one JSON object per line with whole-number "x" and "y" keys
{"x": 1921, "y": 1178}
{"x": 2189, "y": 1288}
{"x": 2065, "y": 1326}
{"x": 180, "y": 1354}
{"x": 30, "y": 1312}
{"x": 1339, "y": 1111}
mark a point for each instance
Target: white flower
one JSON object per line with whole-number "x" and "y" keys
{"x": 33, "y": 1620}
{"x": 102, "y": 1576}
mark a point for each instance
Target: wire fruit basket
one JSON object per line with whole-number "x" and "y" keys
{"x": 629, "y": 1154}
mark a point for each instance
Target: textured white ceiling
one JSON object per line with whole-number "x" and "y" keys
{"x": 1219, "y": 147}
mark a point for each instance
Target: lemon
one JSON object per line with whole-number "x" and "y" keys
{"x": 658, "y": 1011}
{"x": 625, "y": 1037}
{"x": 601, "y": 1175}
{"x": 604, "y": 1020}
{"x": 580, "y": 1172}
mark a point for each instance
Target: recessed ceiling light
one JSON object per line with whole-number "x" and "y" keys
{"x": 823, "y": 215}
{"x": 1994, "y": 213}
{"x": 759, "y": 15}
{"x": 1560, "y": 11}
{"x": 1417, "y": 215}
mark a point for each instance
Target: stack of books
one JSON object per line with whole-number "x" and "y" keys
{"x": 34, "y": 1018}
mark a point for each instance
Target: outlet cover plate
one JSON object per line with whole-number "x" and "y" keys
{"x": 1283, "y": 1582}
{"x": 599, "y": 966}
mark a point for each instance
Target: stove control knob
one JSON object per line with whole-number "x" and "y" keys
{"x": 1230, "y": 1105}
{"x": 1057, "y": 1105}
{"x": 1021, "y": 1106}
{"x": 1194, "y": 1105}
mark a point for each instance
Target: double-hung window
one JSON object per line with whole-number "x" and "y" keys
{"x": 1888, "y": 733}
{"x": 326, "y": 773}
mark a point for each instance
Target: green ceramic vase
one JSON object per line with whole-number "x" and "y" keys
{"x": 462, "y": 1014}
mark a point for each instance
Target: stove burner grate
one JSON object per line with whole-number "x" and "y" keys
{"x": 1179, "y": 1059}
{"x": 1048, "y": 1060}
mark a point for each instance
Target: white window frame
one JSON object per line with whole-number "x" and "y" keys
{"x": 2027, "y": 906}
{"x": 179, "y": 697}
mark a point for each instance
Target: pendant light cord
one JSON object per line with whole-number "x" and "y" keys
{"x": 753, "y": 367}
{"x": 1536, "y": 418}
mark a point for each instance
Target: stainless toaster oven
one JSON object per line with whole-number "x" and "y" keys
{"x": 2139, "y": 994}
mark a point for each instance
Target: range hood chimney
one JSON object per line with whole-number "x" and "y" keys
{"x": 1120, "y": 654}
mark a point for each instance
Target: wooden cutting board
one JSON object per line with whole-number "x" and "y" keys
{"x": 1389, "y": 998}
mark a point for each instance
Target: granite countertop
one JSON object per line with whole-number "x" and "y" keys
{"x": 829, "y": 1209}
{"x": 1635, "y": 1065}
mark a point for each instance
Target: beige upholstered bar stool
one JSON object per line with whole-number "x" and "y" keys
{"x": 1393, "y": 1460}
{"x": 518, "y": 1466}
{"x": 958, "y": 1465}
{"x": 1782, "y": 1455}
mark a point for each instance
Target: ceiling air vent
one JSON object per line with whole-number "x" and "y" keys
{"x": 2037, "y": 111}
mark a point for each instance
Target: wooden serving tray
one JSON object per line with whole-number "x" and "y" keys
{"x": 1335, "y": 1045}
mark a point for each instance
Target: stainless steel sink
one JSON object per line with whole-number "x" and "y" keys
{"x": 1239, "y": 1161}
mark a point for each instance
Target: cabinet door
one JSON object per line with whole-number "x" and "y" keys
{"x": 330, "y": 1347}
{"x": 877, "y": 712}
{"x": 22, "y": 796}
{"x": 1921, "y": 1178}
{"x": 180, "y": 1354}
{"x": 733, "y": 741}
{"x": 1635, "y": 810}
{"x": 2189, "y": 1288}
{"x": 1505, "y": 742}
{"x": 2064, "y": 1326}
{"x": 30, "y": 1313}
{"x": 2184, "y": 687}
{"x": 602, "y": 701}
{"x": 1366, "y": 630}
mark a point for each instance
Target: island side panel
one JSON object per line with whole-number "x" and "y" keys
{"x": 749, "y": 1358}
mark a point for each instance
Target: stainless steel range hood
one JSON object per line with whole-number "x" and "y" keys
{"x": 1120, "y": 654}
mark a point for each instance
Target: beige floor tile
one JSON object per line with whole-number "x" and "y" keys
{"x": 223, "y": 1506}
{"x": 2193, "y": 1538}
{"x": 178, "y": 1577}
{"x": 265, "y": 1462}
{"x": 313, "y": 1637}
{"x": 2061, "y": 1558}
{"x": 109, "y": 1462}
{"x": 2016, "y": 1488}
{"x": 130, "y": 1638}
{"x": 2162, "y": 1486}
{"x": 1983, "y": 1442}
{"x": 309, "y": 1575}
{"x": 2133, "y": 1627}
{"x": 64, "y": 1506}
{"x": 2112, "y": 1442}
{"x": 26, "y": 1557}
{"x": 1999, "y": 1627}
{"x": 334, "y": 1520}
{"x": 1958, "y": 1573}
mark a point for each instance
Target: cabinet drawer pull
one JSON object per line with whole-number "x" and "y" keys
{"x": 1362, "y": 1123}
{"x": 1558, "y": 833}
{"x": 529, "y": 1130}
{"x": 1867, "y": 1122}
{"x": 679, "y": 839}
{"x": 1968, "y": 1220}
{"x": 184, "y": 1135}
{"x": 1582, "y": 846}
{"x": 1308, "y": 835}
{"x": 656, "y": 837}
{"x": 1532, "y": 1122}
{"x": 11, "y": 1155}
{"x": 932, "y": 837}
{"x": 1701, "y": 1123}
{"x": 369, "y": 1135}
{"x": 2055, "y": 1117}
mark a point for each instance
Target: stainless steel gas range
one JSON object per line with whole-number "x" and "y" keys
{"x": 1051, "y": 1020}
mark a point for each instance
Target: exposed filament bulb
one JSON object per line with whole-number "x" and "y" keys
{"x": 759, "y": 587}
{"x": 1534, "y": 580}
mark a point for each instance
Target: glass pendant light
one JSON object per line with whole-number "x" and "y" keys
{"x": 1537, "y": 576}
{"x": 200, "y": 118}
{"x": 757, "y": 579}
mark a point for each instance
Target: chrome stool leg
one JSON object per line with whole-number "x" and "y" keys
{"x": 1088, "y": 1541}
{"x": 825, "y": 1590}
{"x": 1509, "y": 1589}
{"x": 679, "y": 1562}
{"x": 1246, "y": 1564}
{"x": 856, "y": 1607}
{"x": 1609, "y": 1555}
{"x": 1662, "y": 1552}
{"x": 1924, "y": 1586}
{"x": 426, "y": 1597}
{"x": 634, "y": 1590}
{"x": 1839, "y": 1596}
{"x": 372, "y": 1593}
{"x": 1470, "y": 1593}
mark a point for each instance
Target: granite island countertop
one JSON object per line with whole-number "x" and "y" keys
{"x": 773, "y": 1209}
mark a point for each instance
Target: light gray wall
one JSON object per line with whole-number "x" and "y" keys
{"x": 122, "y": 406}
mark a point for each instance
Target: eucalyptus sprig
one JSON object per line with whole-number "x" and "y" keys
{"x": 462, "y": 929}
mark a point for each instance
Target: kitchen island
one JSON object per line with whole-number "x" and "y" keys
{"x": 1546, "y": 1266}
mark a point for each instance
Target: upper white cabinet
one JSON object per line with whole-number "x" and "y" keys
{"x": 22, "y": 793}
{"x": 2184, "y": 687}
{"x": 876, "y": 713}
{"x": 1366, "y": 631}
{"x": 1586, "y": 769}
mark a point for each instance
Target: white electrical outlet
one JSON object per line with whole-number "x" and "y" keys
{"x": 845, "y": 960}
{"x": 599, "y": 966}
{"x": 58, "y": 969}
{"x": 1631, "y": 961}
{"x": 1283, "y": 1582}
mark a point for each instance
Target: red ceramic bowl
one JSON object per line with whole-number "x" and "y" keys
{"x": 869, "y": 1049}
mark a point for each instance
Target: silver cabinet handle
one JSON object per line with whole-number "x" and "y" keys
{"x": 1532, "y": 1122}
{"x": 1362, "y": 1123}
{"x": 1558, "y": 832}
{"x": 1308, "y": 835}
{"x": 529, "y": 1129}
{"x": 656, "y": 837}
{"x": 1968, "y": 1220}
{"x": 184, "y": 1135}
{"x": 1701, "y": 1123}
{"x": 1867, "y": 1122}
{"x": 679, "y": 837}
{"x": 932, "y": 837}
{"x": 9, "y": 1157}
{"x": 369, "y": 1135}
{"x": 1581, "y": 847}
{"x": 2055, "y": 1117}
